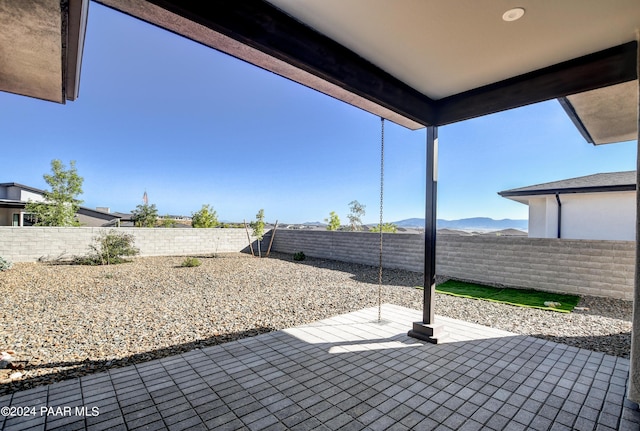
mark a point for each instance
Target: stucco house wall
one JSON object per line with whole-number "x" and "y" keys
{"x": 543, "y": 220}
{"x": 609, "y": 216}
{"x": 602, "y": 216}
{"x": 6, "y": 216}
{"x": 595, "y": 207}
{"x": 19, "y": 194}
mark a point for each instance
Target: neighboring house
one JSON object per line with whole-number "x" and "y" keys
{"x": 14, "y": 197}
{"x": 600, "y": 206}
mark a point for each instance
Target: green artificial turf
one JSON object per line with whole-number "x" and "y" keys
{"x": 519, "y": 297}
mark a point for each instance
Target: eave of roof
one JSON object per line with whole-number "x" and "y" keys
{"x": 42, "y": 43}
{"x": 22, "y": 186}
{"x": 597, "y": 183}
{"x": 96, "y": 213}
{"x": 9, "y": 203}
{"x": 261, "y": 34}
{"x": 605, "y": 115}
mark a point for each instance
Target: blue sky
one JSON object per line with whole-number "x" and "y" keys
{"x": 193, "y": 126}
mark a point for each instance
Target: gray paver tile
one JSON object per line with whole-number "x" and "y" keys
{"x": 470, "y": 425}
{"x": 219, "y": 421}
{"x": 189, "y": 422}
{"x": 296, "y": 418}
{"x": 515, "y": 383}
{"x": 157, "y": 425}
{"x": 115, "y": 423}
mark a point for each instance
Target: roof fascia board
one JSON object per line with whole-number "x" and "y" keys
{"x": 600, "y": 69}
{"x": 575, "y": 119}
{"x": 12, "y": 205}
{"x": 76, "y": 25}
{"x": 264, "y": 28}
{"x": 598, "y": 189}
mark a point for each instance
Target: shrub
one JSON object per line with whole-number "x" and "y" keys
{"x": 109, "y": 248}
{"x": 5, "y": 264}
{"x": 298, "y": 256}
{"x": 386, "y": 228}
{"x": 191, "y": 262}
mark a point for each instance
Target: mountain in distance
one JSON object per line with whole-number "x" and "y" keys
{"x": 469, "y": 224}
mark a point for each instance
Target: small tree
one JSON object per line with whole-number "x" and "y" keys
{"x": 333, "y": 220}
{"x": 355, "y": 215}
{"x": 145, "y": 215}
{"x": 386, "y": 227}
{"x": 205, "y": 218}
{"x": 258, "y": 228}
{"x": 60, "y": 203}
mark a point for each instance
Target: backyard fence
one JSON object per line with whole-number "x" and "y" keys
{"x": 584, "y": 267}
{"x": 29, "y": 244}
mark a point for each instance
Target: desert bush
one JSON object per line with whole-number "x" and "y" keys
{"x": 299, "y": 256}
{"x": 386, "y": 228}
{"x": 191, "y": 262}
{"x": 5, "y": 264}
{"x": 109, "y": 248}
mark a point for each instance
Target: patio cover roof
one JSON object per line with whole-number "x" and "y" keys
{"x": 418, "y": 63}
{"x": 41, "y": 44}
{"x": 422, "y": 63}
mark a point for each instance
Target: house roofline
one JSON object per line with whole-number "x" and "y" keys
{"x": 567, "y": 190}
{"x": 9, "y": 203}
{"x": 22, "y": 186}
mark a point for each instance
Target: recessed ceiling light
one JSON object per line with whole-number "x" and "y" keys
{"x": 513, "y": 14}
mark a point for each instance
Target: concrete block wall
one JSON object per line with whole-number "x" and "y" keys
{"x": 401, "y": 250}
{"x": 28, "y": 244}
{"x": 582, "y": 267}
{"x": 586, "y": 267}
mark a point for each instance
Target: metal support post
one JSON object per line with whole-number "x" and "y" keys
{"x": 427, "y": 330}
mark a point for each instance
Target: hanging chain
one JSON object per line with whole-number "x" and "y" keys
{"x": 381, "y": 213}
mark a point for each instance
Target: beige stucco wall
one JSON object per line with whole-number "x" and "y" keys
{"x": 6, "y": 216}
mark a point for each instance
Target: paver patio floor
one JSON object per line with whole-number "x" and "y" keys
{"x": 348, "y": 372}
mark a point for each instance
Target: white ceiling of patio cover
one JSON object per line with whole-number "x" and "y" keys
{"x": 443, "y": 48}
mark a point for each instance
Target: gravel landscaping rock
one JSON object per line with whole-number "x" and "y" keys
{"x": 69, "y": 320}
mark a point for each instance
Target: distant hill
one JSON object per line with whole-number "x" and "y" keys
{"x": 314, "y": 223}
{"x": 410, "y": 222}
{"x": 469, "y": 224}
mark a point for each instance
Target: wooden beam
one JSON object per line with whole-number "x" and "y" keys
{"x": 601, "y": 69}
{"x": 259, "y": 33}
{"x": 264, "y": 28}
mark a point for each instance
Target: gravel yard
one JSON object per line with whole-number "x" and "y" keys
{"x": 68, "y": 320}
